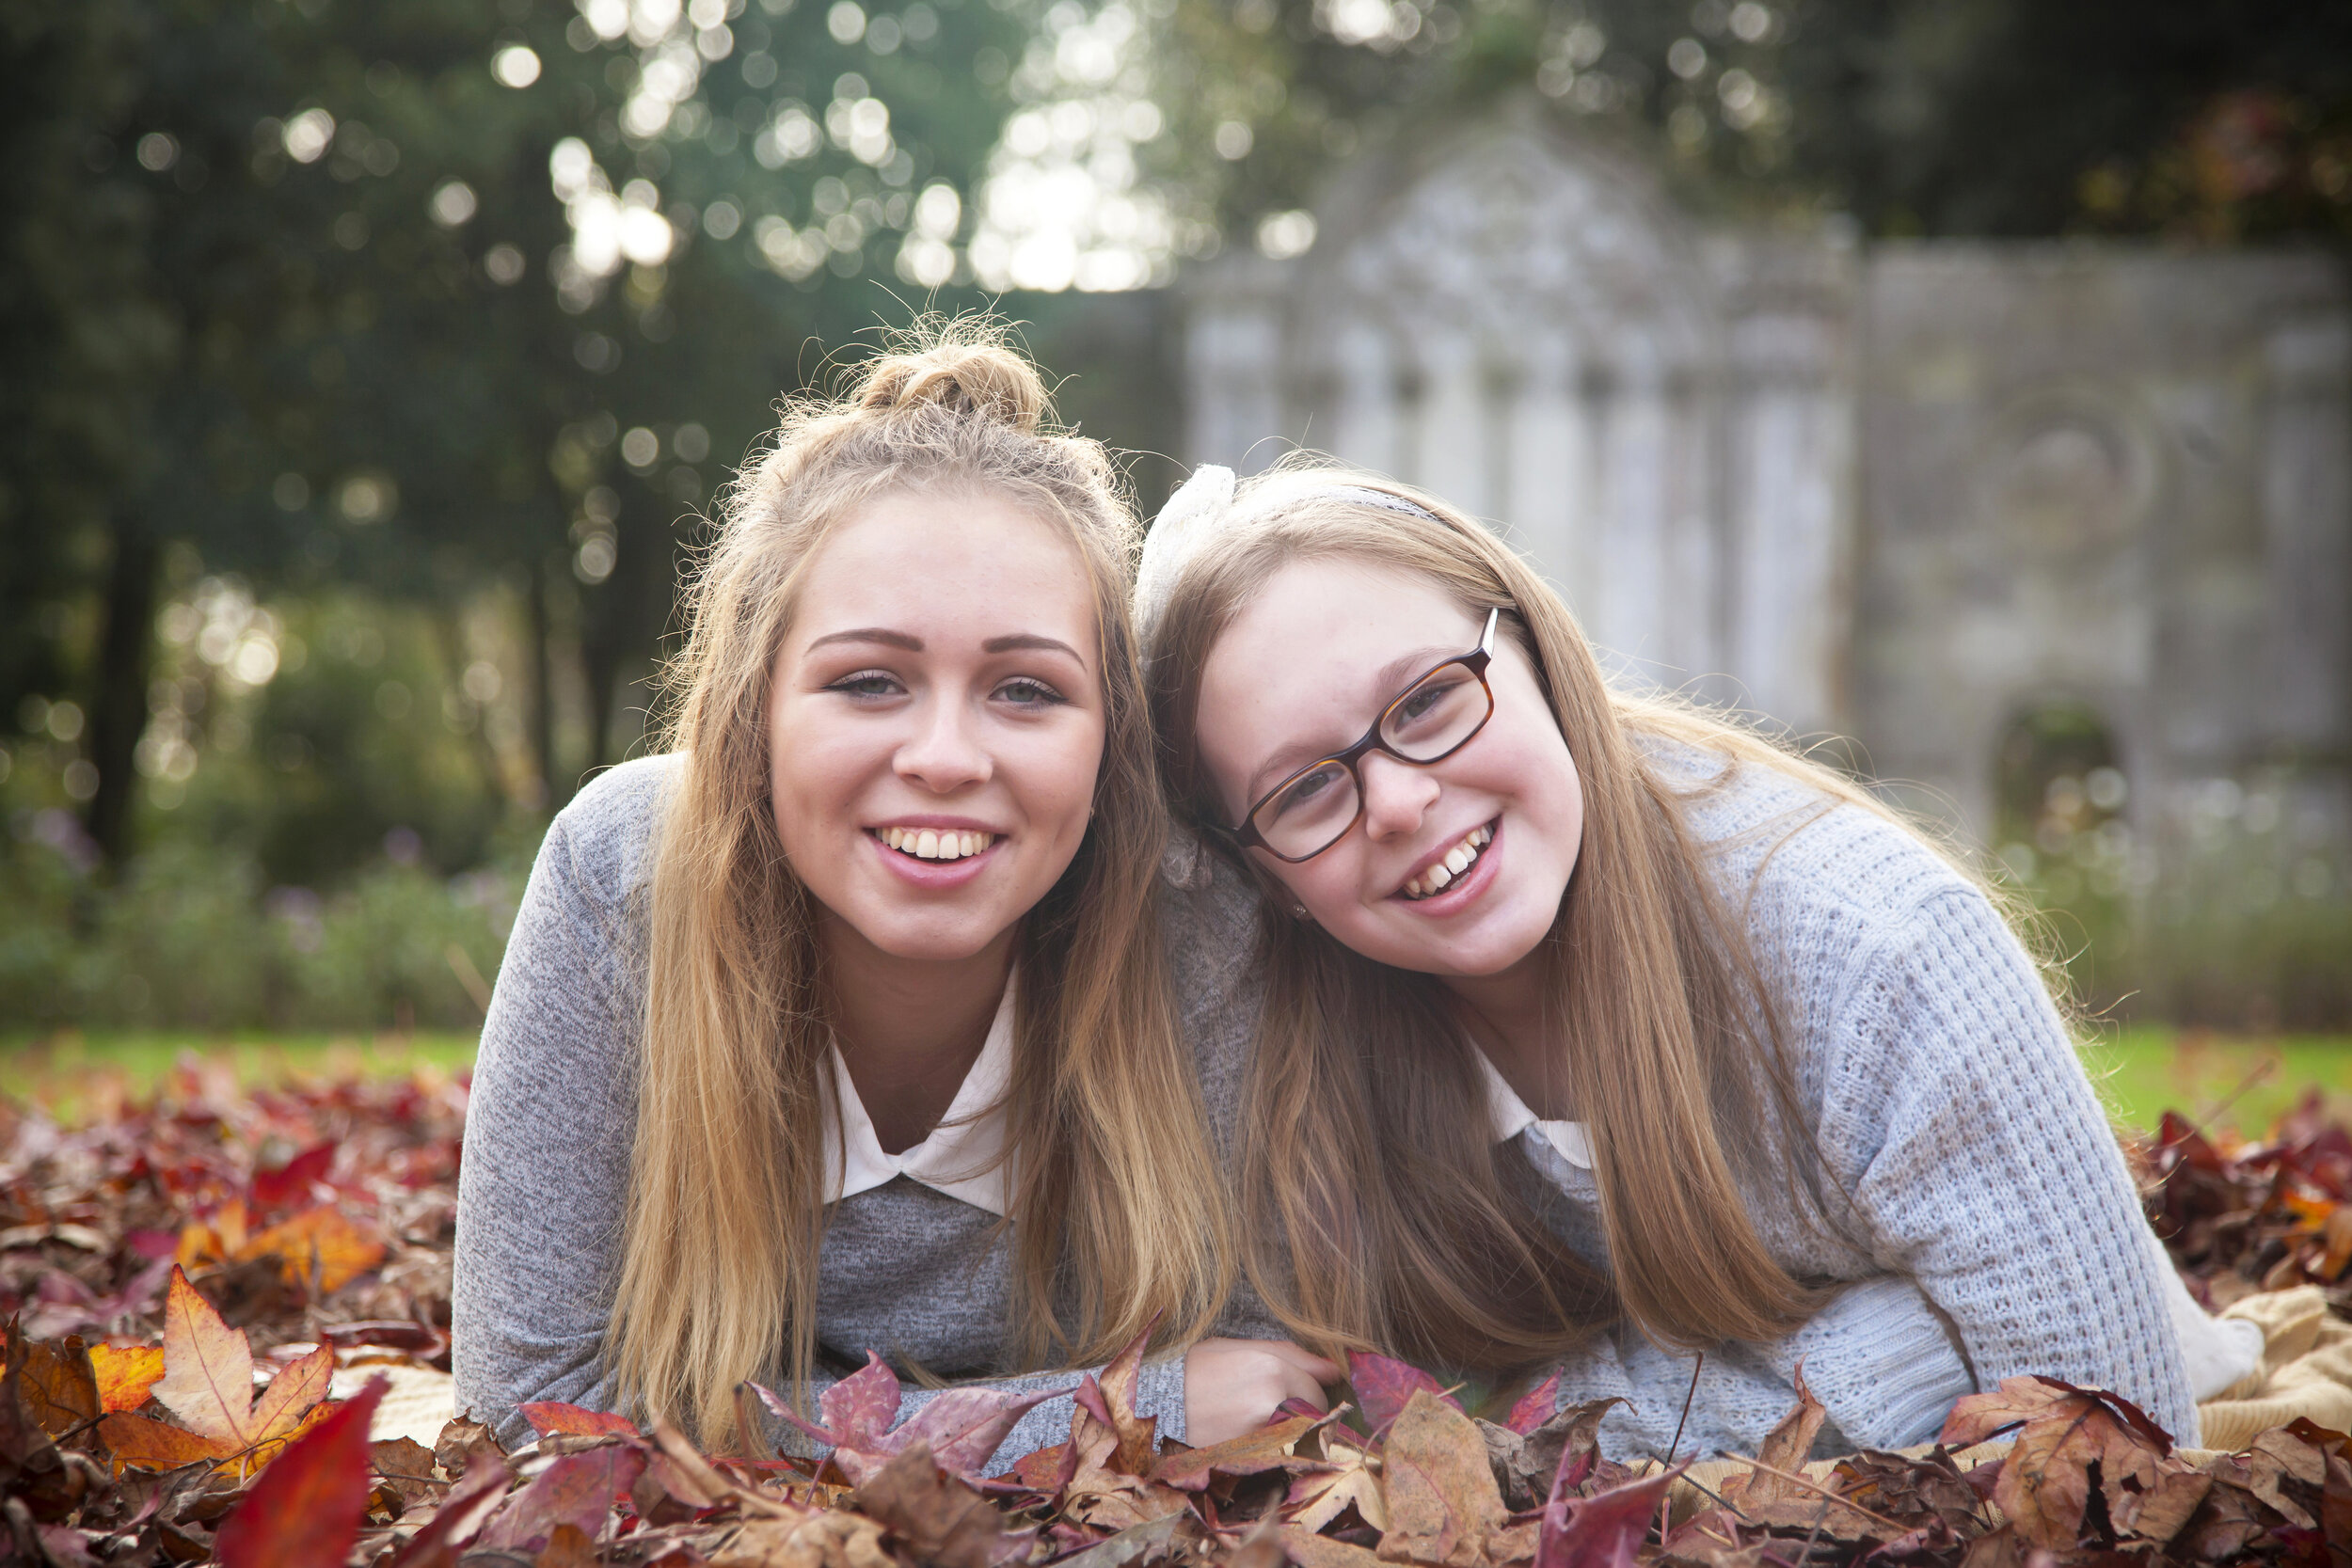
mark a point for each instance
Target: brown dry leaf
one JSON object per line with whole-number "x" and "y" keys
{"x": 1442, "y": 1503}
{"x": 827, "y": 1540}
{"x": 1525, "y": 1466}
{"x": 59, "y": 1386}
{"x": 1352, "y": 1481}
{"x": 943, "y": 1520}
{"x": 126, "y": 1375}
{"x": 1909, "y": 1491}
{"x": 1269, "y": 1448}
{"x": 568, "y": 1547}
{"x": 1309, "y": 1550}
{"x": 2045, "y": 1484}
{"x": 1786, "y": 1448}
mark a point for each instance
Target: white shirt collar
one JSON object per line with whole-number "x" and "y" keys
{"x": 959, "y": 1158}
{"x": 1511, "y": 1116}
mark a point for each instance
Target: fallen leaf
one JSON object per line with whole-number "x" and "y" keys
{"x": 470, "y": 1504}
{"x": 321, "y": 1245}
{"x": 1251, "y": 1453}
{"x": 1385, "y": 1385}
{"x": 1442, "y": 1504}
{"x": 126, "y": 1375}
{"x": 860, "y": 1408}
{"x": 1349, "y": 1479}
{"x": 304, "y": 1511}
{"x": 579, "y": 1489}
{"x": 59, "y": 1386}
{"x": 1786, "y": 1447}
{"x": 944, "y": 1522}
{"x": 547, "y": 1416}
{"x": 1604, "y": 1529}
{"x": 291, "y": 1182}
{"x": 1535, "y": 1407}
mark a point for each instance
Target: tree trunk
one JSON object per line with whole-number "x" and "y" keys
{"x": 119, "y": 710}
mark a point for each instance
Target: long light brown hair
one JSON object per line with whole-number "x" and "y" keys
{"x": 1377, "y": 1209}
{"x": 1114, "y": 1213}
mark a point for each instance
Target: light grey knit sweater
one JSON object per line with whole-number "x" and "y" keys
{"x": 904, "y": 1270}
{"x": 1999, "y": 1232}
{"x": 1941, "y": 1084}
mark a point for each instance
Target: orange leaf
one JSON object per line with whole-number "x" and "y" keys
{"x": 305, "y": 1510}
{"x": 208, "y": 1367}
{"x": 1443, "y": 1504}
{"x": 126, "y": 1375}
{"x": 147, "y": 1445}
{"x": 341, "y": 1249}
{"x": 553, "y": 1415}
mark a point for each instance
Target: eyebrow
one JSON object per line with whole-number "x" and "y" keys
{"x": 1390, "y": 678}
{"x": 1013, "y": 643}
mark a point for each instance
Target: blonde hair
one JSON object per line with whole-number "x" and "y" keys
{"x": 1377, "y": 1209}
{"x": 1115, "y": 1216}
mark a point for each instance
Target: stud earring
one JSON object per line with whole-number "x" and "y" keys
{"x": 1298, "y": 912}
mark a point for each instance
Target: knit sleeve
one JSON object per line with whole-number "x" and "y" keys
{"x": 1957, "y": 1116}
{"x": 548, "y": 1133}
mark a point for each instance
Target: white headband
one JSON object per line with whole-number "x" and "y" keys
{"x": 1200, "y": 511}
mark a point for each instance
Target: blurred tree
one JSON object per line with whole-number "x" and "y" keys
{"x": 1945, "y": 116}
{"x": 432, "y": 298}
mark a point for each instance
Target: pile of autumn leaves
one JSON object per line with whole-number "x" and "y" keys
{"x": 183, "y": 1282}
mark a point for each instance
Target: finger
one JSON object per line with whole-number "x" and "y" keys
{"x": 1319, "y": 1368}
{"x": 1297, "y": 1385}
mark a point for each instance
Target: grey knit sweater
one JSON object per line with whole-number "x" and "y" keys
{"x": 1996, "y": 1230}
{"x": 905, "y": 1270}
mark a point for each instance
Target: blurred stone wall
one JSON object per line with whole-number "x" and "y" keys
{"x": 1910, "y": 494}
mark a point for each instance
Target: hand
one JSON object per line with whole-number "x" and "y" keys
{"x": 1231, "y": 1386}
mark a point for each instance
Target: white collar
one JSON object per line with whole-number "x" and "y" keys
{"x": 1511, "y": 1117}
{"x": 959, "y": 1158}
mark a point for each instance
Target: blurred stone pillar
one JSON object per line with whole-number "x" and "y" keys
{"x": 1790, "y": 455}
{"x": 1451, "y": 460}
{"x": 1233, "y": 363}
{"x": 1630, "y": 568}
{"x": 1551, "y": 463}
{"x": 2307, "y": 524}
{"x": 1364, "y": 420}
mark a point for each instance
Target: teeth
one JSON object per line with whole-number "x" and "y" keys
{"x": 1455, "y": 862}
{"x": 933, "y": 843}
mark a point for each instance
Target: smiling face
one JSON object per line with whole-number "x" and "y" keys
{"x": 935, "y": 721}
{"x": 1456, "y": 868}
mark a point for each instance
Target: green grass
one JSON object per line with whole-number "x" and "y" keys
{"x": 2146, "y": 1070}
{"x": 65, "y": 1072}
{"x": 2142, "y": 1071}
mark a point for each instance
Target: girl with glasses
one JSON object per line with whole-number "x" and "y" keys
{"x": 846, "y": 1023}
{"x": 1597, "y": 1029}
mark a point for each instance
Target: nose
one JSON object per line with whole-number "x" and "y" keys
{"x": 943, "y": 754}
{"x": 1397, "y": 796}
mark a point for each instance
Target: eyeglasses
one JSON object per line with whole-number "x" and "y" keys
{"x": 1430, "y": 720}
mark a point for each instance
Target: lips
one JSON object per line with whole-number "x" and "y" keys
{"x": 1433, "y": 877}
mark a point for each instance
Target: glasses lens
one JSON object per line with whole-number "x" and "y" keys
{"x": 1308, "y": 812}
{"x": 1444, "y": 709}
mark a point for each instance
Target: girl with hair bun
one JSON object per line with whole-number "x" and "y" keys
{"x": 1599, "y": 1030}
{"x": 846, "y": 1023}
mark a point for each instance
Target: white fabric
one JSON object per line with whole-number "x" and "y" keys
{"x": 2219, "y": 1351}
{"x": 959, "y": 1158}
{"x": 1512, "y": 1117}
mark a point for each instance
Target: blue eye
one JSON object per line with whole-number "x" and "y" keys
{"x": 1025, "y": 692}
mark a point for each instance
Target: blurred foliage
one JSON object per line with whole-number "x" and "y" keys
{"x": 1916, "y": 117}
{"x": 366, "y": 370}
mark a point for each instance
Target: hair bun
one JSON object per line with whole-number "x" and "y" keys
{"x": 968, "y": 370}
